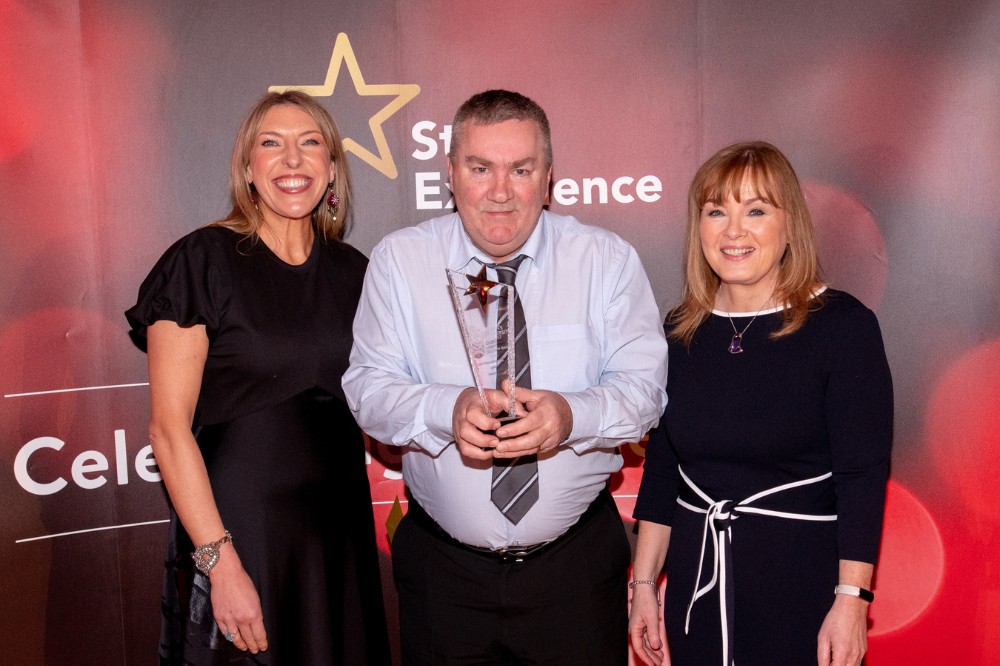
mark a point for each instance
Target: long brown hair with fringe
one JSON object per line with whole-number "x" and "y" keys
{"x": 244, "y": 218}
{"x": 773, "y": 180}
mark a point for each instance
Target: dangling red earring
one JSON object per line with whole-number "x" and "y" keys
{"x": 332, "y": 202}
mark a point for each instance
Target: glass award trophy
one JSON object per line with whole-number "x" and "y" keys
{"x": 480, "y": 303}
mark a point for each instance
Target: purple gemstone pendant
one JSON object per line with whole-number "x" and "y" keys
{"x": 735, "y": 347}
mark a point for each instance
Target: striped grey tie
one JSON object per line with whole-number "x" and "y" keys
{"x": 515, "y": 480}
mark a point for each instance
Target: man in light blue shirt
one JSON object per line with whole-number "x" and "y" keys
{"x": 475, "y": 584}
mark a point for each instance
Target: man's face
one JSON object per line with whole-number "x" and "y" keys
{"x": 500, "y": 179}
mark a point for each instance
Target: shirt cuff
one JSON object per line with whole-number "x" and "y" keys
{"x": 432, "y": 428}
{"x": 586, "y": 422}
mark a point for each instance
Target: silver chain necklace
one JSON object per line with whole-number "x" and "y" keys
{"x": 736, "y": 344}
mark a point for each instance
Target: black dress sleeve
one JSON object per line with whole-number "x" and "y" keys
{"x": 859, "y": 407}
{"x": 657, "y": 499}
{"x": 188, "y": 285}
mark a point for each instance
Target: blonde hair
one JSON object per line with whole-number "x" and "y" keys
{"x": 245, "y": 218}
{"x": 773, "y": 180}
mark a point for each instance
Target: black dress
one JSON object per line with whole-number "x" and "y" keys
{"x": 814, "y": 406}
{"x": 285, "y": 458}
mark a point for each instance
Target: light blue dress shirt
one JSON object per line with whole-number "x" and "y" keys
{"x": 595, "y": 336}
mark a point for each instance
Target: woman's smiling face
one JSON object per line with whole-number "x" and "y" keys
{"x": 290, "y": 164}
{"x": 743, "y": 241}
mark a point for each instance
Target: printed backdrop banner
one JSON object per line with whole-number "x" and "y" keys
{"x": 116, "y": 123}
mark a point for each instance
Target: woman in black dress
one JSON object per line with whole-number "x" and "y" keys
{"x": 766, "y": 478}
{"x": 247, "y": 324}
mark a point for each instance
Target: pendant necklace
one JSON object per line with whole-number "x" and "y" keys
{"x": 736, "y": 344}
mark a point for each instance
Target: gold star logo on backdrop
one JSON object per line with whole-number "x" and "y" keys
{"x": 401, "y": 94}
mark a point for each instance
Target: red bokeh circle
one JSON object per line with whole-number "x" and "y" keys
{"x": 911, "y": 562}
{"x": 963, "y": 428}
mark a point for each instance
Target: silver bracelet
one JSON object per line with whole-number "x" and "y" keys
{"x": 632, "y": 585}
{"x": 656, "y": 589}
{"x": 207, "y": 556}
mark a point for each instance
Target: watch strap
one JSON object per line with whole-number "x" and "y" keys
{"x": 855, "y": 591}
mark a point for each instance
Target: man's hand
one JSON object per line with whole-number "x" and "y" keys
{"x": 547, "y": 423}
{"x": 473, "y": 427}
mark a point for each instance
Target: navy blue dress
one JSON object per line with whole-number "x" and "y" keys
{"x": 812, "y": 406}
{"x": 285, "y": 458}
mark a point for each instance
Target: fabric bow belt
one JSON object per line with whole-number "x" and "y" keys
{"x": 719, "y": 518}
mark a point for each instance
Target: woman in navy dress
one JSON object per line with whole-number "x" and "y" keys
{"x": 247, "y": 324}
{"x": 766, "y": 478}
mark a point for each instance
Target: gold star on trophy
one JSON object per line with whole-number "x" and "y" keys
{"x": 480, "y": 286}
